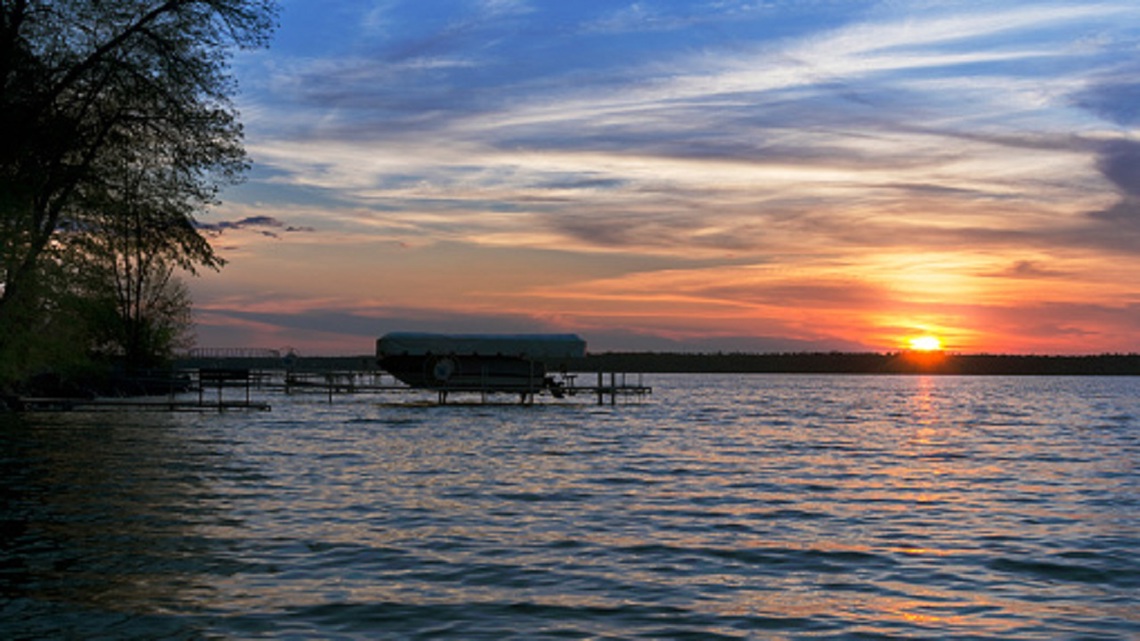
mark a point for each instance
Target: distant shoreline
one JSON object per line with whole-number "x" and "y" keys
{"x": 867, "y": 363}
{"x": 785, "y": 363}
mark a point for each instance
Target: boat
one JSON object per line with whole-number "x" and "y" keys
{"x": 517, "y": 363}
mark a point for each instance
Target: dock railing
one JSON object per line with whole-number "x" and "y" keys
{"x": 215, "y": 387}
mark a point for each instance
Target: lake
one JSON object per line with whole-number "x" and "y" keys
{"x": 721, "y": 507}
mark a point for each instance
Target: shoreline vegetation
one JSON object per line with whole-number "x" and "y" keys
{"x": 120, "y": 133}
{"x": 869, "y": 363}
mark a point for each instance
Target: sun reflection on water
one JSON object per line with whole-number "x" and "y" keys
{"x": 896, "y": 506}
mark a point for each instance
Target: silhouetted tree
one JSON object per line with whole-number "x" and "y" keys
{"x": 83, "y": 81}
{"x": 137, "y": 231}
{"x": 134, "y": 307}
{"x": 139, "y": 316}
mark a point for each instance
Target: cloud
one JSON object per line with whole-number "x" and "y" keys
{"x": 771, "y": 134}
{"x": 1029, "y": 269}
{"x": 1123, "y": 215}
{"x": 339, "y": 327}
{"x": 328, "y": 327}
{"x": 636, "y": 17}
{"x": 1119, "y": 161}
{"x": 1116, "y": 100}
{"x": 610, "y": 340}
{"x": 871, "y": 96}
{"x": 1068, "y": 327}
{"x": 497, "y": 8}
{"x": 1118, "y": 225}
{"x": 264, "y": 225}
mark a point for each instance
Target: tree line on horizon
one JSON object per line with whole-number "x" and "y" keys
{"x": 860, "y": 363}
{"x": 118, "y": 130}
{"x": 751, "y": 363}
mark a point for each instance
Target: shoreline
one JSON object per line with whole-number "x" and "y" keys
{"x": 749, "y": 363}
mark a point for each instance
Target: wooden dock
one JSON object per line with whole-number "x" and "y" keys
{"x": 609, "y": 388}
{"x": 232, "y": 388}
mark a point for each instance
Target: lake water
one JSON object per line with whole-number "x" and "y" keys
{"x": 722, "y": 507}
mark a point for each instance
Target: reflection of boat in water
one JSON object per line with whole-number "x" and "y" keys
{"x": 515, "y": 363}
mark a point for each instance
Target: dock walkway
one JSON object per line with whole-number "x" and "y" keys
{"x": 215, "y": 387}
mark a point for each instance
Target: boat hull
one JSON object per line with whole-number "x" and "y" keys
{"x": 467, "y": 373}
{"x": 477, "y": 362}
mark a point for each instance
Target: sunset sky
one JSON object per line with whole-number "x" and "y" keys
{"x": 737, "y": 175}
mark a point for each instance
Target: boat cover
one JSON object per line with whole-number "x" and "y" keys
{"x": 536, "y": 346}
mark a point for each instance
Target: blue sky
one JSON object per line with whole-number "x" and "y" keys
{"x": 688, "y": 175}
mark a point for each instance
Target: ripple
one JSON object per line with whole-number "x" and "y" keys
{"x": 538, "y": 620}
{"x": 728, "y": 507}
{"x": 1056, "y": 571}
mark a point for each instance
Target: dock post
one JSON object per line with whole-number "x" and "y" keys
{"x": 601, "y": 396}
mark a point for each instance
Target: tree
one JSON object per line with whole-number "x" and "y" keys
{"x": 138, "y": 232}
{"x": 83, "y": 81}
{"x": 54, "y": 336}
{"x": 137, "y": 317}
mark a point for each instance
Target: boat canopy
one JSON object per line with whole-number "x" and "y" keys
{"x": 531, "y": 346}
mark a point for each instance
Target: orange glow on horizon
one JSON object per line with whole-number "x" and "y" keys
{"x": 834, "y": 307}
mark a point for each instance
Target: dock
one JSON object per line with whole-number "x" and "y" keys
{"x": 228, "y": 386}
{"x": 609, "y": 389}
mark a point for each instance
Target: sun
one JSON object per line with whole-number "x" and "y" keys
{"x": 925, "y": 343}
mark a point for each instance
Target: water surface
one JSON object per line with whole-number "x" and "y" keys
{"x": 753, "y": 506}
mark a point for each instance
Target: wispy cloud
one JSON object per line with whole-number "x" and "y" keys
{"x": 818, "y": 105}
{"x": 713, "y": 131}
{"x": 263, "y": 225}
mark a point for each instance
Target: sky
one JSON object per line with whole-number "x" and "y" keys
{"x": 706, "y": 175}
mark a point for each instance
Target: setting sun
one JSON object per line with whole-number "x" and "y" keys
{"x": 925, "y": 344}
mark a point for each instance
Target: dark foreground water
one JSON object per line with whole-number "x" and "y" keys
{"x": 807, "y": 507}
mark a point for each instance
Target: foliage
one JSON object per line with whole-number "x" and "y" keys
{"x": 136, "y": 311}
{"x": 139, "y": 230}
{"x": 112, "y": 108}
{"x": 52, "y": 336}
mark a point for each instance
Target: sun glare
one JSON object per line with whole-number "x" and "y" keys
{"x": 925, "y": 344}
